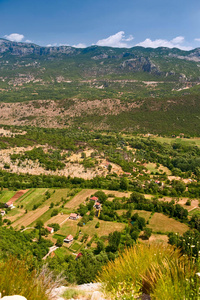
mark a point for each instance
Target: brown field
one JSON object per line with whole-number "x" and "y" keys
{"x": 160, "y": 222}
{"x": 80, "y": 198}
{"x": 60, "y": 219}
{"x": 18, "y": 195}
{"x": 118, "y": 194}
{"x": 30, "y": 217}
{"x": 156, "y": 238}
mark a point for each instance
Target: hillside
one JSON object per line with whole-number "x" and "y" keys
{"x": 137, "y": 89}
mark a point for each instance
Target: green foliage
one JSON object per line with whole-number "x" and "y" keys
{"x": 20, "y": 244}
{"x": 54, "y": 212}
{"x": 15, "y": 278}
{"x": 59, "y": 242}
{"x": 155, "y": 270}
{"x": 55, "y": 226}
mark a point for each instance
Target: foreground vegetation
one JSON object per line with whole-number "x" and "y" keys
{"x": 159, "y": 271}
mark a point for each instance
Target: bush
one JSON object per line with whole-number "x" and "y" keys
{"x": 155, "y": 270}
{"x": 54, "y": 212}
{"x": 97, "y": 225}
{"x": 15, "y": 278}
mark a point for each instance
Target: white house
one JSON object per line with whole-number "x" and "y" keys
{"x": 68, "y": 239}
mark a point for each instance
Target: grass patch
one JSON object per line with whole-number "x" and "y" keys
{"x": 34, "y": 197}
{"x": 195, "y": 211}
{"x": 104, "y": 229}
{"x": 62, "y": 252}
{"x": 75, "y": 246}
{"x": 56, "y": 236}
{"x": 72, "y": 293}
{"x": 69, "y": 227}
{"x": 162, "y": 223}
{"x": 6, "y": 195}
{"x": 155, "y": 270}
{"x": 44, "y": 218}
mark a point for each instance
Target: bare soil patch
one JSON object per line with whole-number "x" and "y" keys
{"x": 30, "y": 217}
{"x": 18, "y": 195}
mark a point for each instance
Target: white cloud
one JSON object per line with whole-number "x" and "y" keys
{"x": 117, "y": 40}
{"x": 197, "y": 40}
{"x": 28, "y": 41}
{"x": 52, "y": 45}
{"x": 80, "y": 45}
{"x": 177, "y": 42}
{"x": 14, "y": 37}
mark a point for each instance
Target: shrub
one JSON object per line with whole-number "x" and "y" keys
{"x": 156, "y": 270}
{"x": 15, "y": 278}
{"x": 54, "y": 212}
{"x": 97, "y": 225}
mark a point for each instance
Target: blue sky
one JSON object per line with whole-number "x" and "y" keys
{"x": 114, "y": 23}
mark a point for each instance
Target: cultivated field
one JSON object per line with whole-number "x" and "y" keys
{"x": 162, "y": 223}
{"x": 30, "y": 217}
{"x": 80, "y": 198}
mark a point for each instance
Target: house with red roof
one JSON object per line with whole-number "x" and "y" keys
{"x": 73, "y": 216}
{"x": 50, "y": 229}
{"x": 9, "y": 204}
{"x": 95, "y": 199}
{"x": 69, "y": 238}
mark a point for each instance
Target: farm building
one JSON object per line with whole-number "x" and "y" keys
{"x": 9, "y": 204}
{"x": 73, "y": 216}
{"x": 68, "y": 239}
{"x": 50, "y": 229}
{"x": 95, "y": 199}
{"x": 97, "y": 205}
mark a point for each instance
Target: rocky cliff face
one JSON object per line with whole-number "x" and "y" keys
{"x": 23, "y": 49}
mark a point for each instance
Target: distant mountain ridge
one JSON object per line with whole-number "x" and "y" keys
{"x": 140, "y": 89}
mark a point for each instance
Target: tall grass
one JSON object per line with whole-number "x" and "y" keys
{"x": 17, "y": 279}
{"x": 157, "y": 270}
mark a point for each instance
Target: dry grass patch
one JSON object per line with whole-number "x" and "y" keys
{"x": 151, "y": 167}
{"x": 57, "y": 219}
{"x": 105, "y": 227}
{"x": 118, "y": 194}
{"x": 156, "y": 239}
{"x": 162, "y": 223}
{"x": 30, "y": 217}
{"x": 80, "y": 198}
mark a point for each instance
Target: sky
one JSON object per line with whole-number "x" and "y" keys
{"x": 115, "y": 23}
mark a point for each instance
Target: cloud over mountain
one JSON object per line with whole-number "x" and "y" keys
{"x": 14, "y": 37}
{"x": 117, "y": 40}
{"x": 177, "y": 42}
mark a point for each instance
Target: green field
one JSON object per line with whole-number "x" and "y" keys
{"x": 35, "y": 196}
{"x": 6, "y": 195}
{"x": 186, "y": 141}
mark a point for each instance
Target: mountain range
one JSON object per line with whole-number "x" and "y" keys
{"x": 135, "y": 89}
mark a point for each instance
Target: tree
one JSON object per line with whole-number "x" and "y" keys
{"x": 114, "y": 241}
{"x": 124, "y": 184}
{"x": 39, "y": 224}
{"x": 101, "y": 196}
{"x": 100, "y": 246}
{"x": 59, "y": 242}
{"x": 147, "y": 233}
